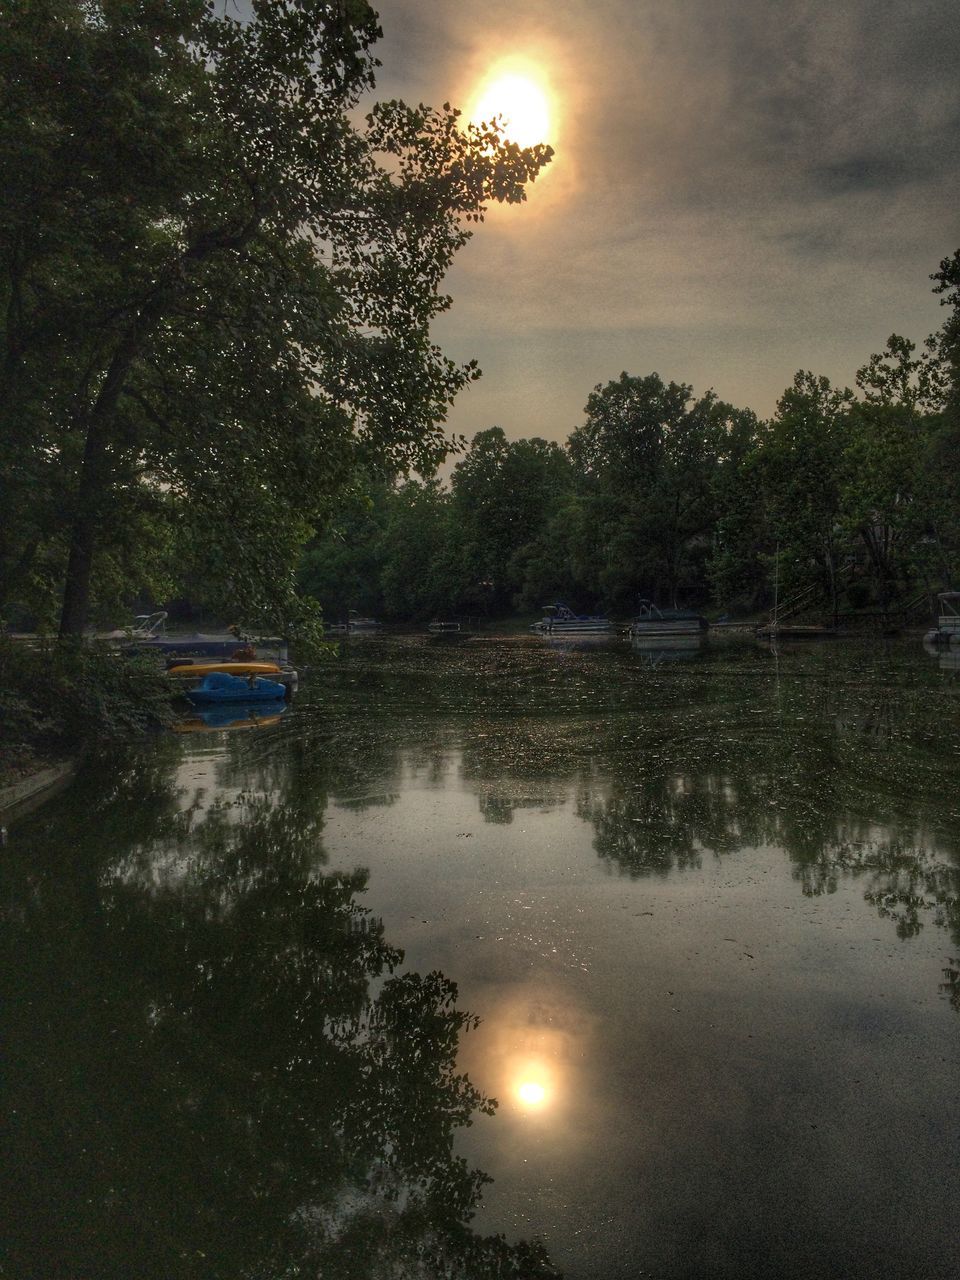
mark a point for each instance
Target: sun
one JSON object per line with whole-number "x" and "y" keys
{"x": 531, "y": 1093}
{"x": 521, "y": 103}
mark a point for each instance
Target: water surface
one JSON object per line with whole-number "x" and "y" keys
{"x": 703, "y": 902}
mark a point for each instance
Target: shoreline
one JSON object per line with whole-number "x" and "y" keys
{"x": 35, "y": 785}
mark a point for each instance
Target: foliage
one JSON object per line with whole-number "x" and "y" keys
{"x": 648, "y": 457}
{"x": 214, "y": 284}
{"x": 503, "y": 496}
{"x": 56, "y": 698}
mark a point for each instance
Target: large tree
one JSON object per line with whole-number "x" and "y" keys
{"x": 801, "y": 481}
{"x": 504, "y": 493}
{"x": 647, "y": 457}
{"x": 216, "y": 286}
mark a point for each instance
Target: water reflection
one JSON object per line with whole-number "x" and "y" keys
{"x": 218, "y": 1069}
{"x": 851, "y": 775}
{"x": 223, "y": 1069}
{"x": 256, "y": 715}
{"x": 948, "y": 656}
{"x": 656, "y": 650}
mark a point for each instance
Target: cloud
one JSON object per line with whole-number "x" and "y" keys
{"x": 755, "y": 185}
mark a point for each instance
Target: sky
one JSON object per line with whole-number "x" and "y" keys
{"x": 741, "y": 189}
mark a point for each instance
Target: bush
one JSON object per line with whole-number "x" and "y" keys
{"x": 57, "y": 697}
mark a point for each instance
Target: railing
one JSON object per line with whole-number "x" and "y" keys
{"x": 793, "y": 605}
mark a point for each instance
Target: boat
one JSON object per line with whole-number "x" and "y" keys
{"x": 220, "y": 686}
{"x": 947, "y": 630}
{"x": 355, "y": 625}
{"x": 195, "y": 671}
{"x": 559, "y": 619}
{"x": 454, "y": 626}
{"x": 230, "y": 643}
{"x": 655, "y": 622}
{"x": 145, "y": 626}
{"x": 183, "y": 667}
{"x": 212, "y": 645}
{"x": 148, "y": 634}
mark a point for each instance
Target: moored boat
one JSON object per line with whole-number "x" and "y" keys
{"x": 193, "y": 672}
{"x": 355, "y": 625}
{"x": 947, "y": 630}
{"x": 653, "y": 621}
{"x": 220, "y": 686}
{"x": 559, "y": 619}
{"x": 231, "y": 643}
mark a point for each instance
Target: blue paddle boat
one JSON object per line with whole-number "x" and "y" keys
{"x": 220, "y": 687}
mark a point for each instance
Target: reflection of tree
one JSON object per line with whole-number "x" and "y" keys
{"x": 664, "y": 824}
{"x": 843, "y": 766}
{"x": 638, "y": 835}
{"x": 217, "y": 1072}
{"x": 951, "y": 986}
{"x": 803, "y": 779}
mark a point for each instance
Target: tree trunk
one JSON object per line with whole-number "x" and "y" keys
{"x": 832, "y": 575}
{"x": 93, "y": 487}
{"x": 95, "y": 477}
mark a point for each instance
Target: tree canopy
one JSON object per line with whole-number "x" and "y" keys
{"x": 217, "y": 287}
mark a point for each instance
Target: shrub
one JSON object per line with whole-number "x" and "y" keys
{"x": 56, "y": 697}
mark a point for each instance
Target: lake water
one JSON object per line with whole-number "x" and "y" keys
{"x": 705, "y": 905}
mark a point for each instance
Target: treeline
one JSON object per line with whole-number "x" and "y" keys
{"x": 851, "y": 496}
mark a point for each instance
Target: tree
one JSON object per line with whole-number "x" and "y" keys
{"x": 504, "y": 493}
{"x": 802, "y": 475}
{"x": 882, "y": 481}
{"x": 419, "y": 555}
{"x": 947, "y": 340}
{"x": 941, "y": 470}
{"x": 246, "y": 1066}
{"x": 215, "y": 285}
{"x": 646, "y": 459}
{"x": 343, "y": 565}
{"x": 736, "y": 567}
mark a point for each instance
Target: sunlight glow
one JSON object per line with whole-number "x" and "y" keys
{"x": 531, "y": 1093}
{"x": 520, "y": 102}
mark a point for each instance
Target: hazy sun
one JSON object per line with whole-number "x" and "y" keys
{"x": 531, "y": 1093}
{"x": 521, "y": 104}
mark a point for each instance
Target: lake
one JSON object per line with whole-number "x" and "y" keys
{"x": 691, "y": 918}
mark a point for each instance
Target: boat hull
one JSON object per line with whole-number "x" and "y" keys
{"x": 577, "y": 628}
{"x": 668, "y": 627}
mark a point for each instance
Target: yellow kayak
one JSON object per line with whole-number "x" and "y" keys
{"x": 201, "y": 726}
{"x": 201, "y": 669}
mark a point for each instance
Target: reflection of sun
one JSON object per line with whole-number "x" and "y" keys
{"x": 520, "y": 102}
